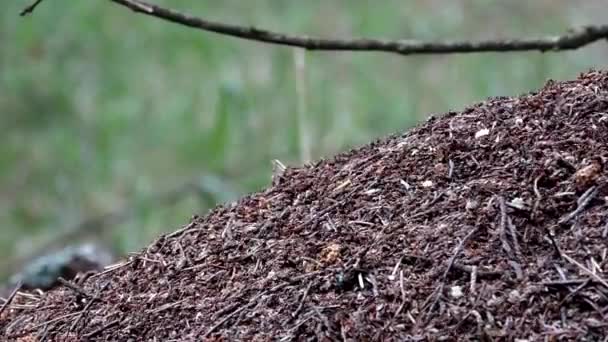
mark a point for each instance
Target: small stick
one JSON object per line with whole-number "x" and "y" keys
{"x": 111, "y": 269}
{"x": 503, "y": 228}
{"x": 181, "y": 230}
{"x": 324, "y": 320}
{"x": 563, "y": 282}
{"x": 576, "y": 263}
{"x": 46, "y": 323}
{"x": 101, "y": 329}
{"x": 403, "y": 296}
{"x": 536, "y": 191}
{"x": 30, "y": 9}
{"x": 10, "y": 298}
{"x": 457, "y": 251}
{"x": 243, "y": 307}
{"x": 582, "y": 204}
{"x": 513, "y": 231}
{"x": 313, "y": 220}
{"x": 73, "y": 287}
{"x": 398, "y": 311}
{"x": 585, "y": 269}
{"x": 88, "y": 307}
{"x": 447, "y": 270}
{"x": 587, "y": 196}
{"x": 218, "y": 324}
{"x": 295, "y": 313}
{"x": 473, "y": 279}
{"x": 460, "y": 267}
{"x": 254, "y": 300}
{"x": 538, "y": 195}
{"x": 574, "y": 292}
{"x": 185, "y": 256}
{"x": 450, "y": 168}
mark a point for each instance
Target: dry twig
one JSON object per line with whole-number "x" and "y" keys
{"x": 582, "y": 204}
{"x": 10, "y": 298}
{"x": 102, "y": 328}
{"x": 451, "y": 262}
{"x": 73, "y": 287}
{"x": 570, "y": 40}
{"x": 29, "y": 9}
{"x": 582, "y": 267}
{"x": 301, "y": 305}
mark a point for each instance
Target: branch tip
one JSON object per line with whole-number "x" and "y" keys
{"x": 30, "y": 8}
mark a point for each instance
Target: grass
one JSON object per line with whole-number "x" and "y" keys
{"x": 102, "y": 109}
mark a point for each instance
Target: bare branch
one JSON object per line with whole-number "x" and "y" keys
{"x": 571, "y": 40}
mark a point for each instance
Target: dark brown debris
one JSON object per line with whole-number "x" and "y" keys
{"x": 489, "y": 224}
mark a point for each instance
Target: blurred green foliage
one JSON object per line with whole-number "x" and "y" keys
{"x": 102, "y": 109}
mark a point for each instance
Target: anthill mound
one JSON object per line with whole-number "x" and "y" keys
{"x": 485, "y": 224}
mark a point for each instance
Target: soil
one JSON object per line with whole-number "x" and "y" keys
{"x": 487, "y": 224}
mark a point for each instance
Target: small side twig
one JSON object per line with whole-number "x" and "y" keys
{"x": 254, "y": 300}
{"x": 503, "y": 228}
{"x": 225, "y": 319}
{"x": 512, "y": 248}
{"x": 574, "y": 292}
{"x": 101, "y": 329}
{"x": 450, "y": 168}
{"x": 460, "y": 267}
{"x": 111, "y": 268}
{"x": 403, "y": 295}
{"x": 315, "y": 217}
{"x": 79, "y": 290}
{"x": 582, "y": 204}
{"x": 10, "y": 298}
{"x": 451, "y": 262}
{"x": 30, "y": 8}
{"x": 567, "y": 282}
{"x": 513, "y": 232}
{"x": 590, "y": 273}
{"x": 297, "y": 312}
{"x": 324, "y": 320}
{"x": 582, "y": 267}
{"x": 46, "y": 323}
{"x": 88, "y": 306}
{"x": 473, "y": 281}
{"x": 181, "y": 230}
{"x": 538, "y": 195}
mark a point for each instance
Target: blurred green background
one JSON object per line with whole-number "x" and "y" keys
{"x": 118, "y": 127}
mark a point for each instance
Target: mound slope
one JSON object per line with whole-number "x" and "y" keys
{"x": 487, "y": 224}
